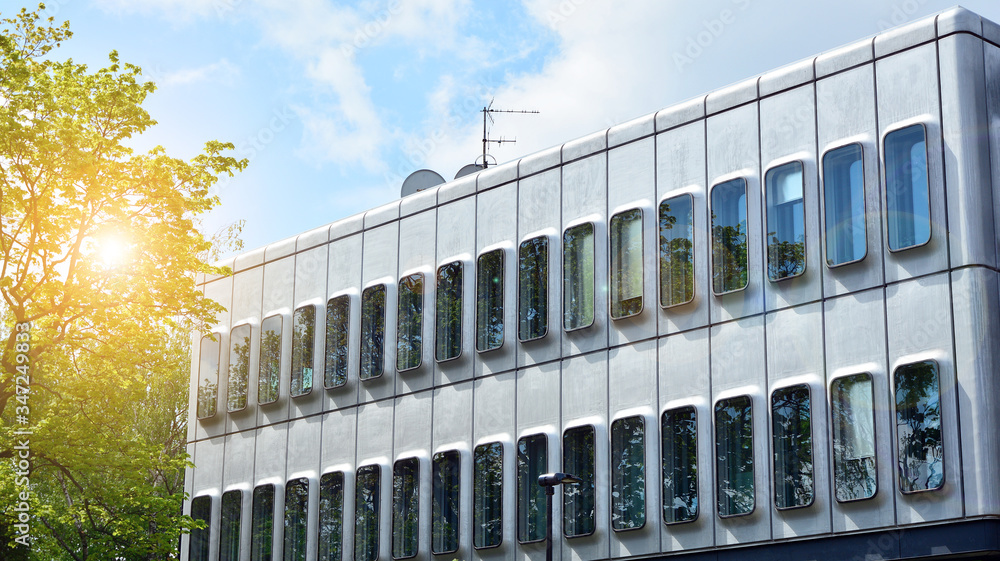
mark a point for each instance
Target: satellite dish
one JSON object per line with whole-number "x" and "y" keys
{"x": 468, "y": 169}
{"x": 420, "y": 180}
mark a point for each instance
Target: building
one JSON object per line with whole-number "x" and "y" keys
{"x": 762, "y": 322}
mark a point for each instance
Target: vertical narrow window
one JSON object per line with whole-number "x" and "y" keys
{"x": 734, "y": 456}
{"x": 331, "y": 516}
{"x": 628, "y": 473}
{"x": 578, "y": 498}
{"x": 239, "y": 368}
{"x": 626, "y": 264}
{"x": 296, "y": 519}
{"x": 372, "y": 331}
{"x": 366, "y": 510}
{"x": 844, "y": 205}
{"x": 578, "y": 276}
{"x": 446, "y": 487}
{"x": 229, "y": 529}
{"x": 676, "y": 251}
{"x": 410, "y": 322}
{"x": 208, "y": 375}
{"x": 262, "y": 523}
{"x": 405, "y": 508}
{"x": 680, "y": 465}
{"x": 269, "y": 367}
{"x": 853, "y": 438}
{"x": 338, "y": 321}
{"x": 487, "y": 494}
{"x": 448, "y": 342}
{"x": 729, "y": 236}
{"x": 303, "y": 345}
{"x": 786, "y": 230}
{"x": 533, "y": 288}
{"x": 489, "y": 300}
{"x": 918, "y": 427}
{"x": 201, "y": 509}
{"x": 907, "y": 196}
{"x": 791, "y": 429}
{"x": 532, "y": 460}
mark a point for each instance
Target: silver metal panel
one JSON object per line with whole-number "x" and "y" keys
{"x": 344, "y": 278}
{"x": 277, "y": 300}
{"x": 494, "y": 401}
{"x": 188, "y": 489}
{"x": 382, "y": 215}
{"x": 496, "y": 175}
{"x": 304, "y": 446}
{"x": 787, "y": 77}
{"x": 237, "y": 467}
{"x": 456, "y": 242}
{"x": 379, "y": 265}
{"x": 452, "y": 430}
{"x": 375, "y": 447}
{"x": 733, "y": 152}
{"x": 958, "y": 19}
{"x": 631, "y": 130}
{"x": 676, "y": 115}
{"x": 539, "y": 161}
{"x": 585, "y": 146}
{"x": 416, "y": 255}
{"x": 788, "y": 133}
{"x": 312, "y": 238}
{"x": 279, "y": 249}
{"x": 249, "y": 259}
{"x": 991, "y": 56}
{"x": 412, "y": 439}
{"x": 920, "y": 328}
{"x": 966, "y": 157}
{"x": 842, "y": 58}
{"x": 459, "y": 188}
{"x": 680, "y": 169}
{"x": 991, "y": 31}
{"x": 538, "y": 389}
{"x": 310, "y": 290}
{"x": 845, "y": 114}
{"x": 496, "y": 227}
{"x": 192, "y": 426}
{"x": 905, "y": 36}
{"x": 338, "y": 448}
{"x": 270, "y": 455}
{"x": 418, "y": 202}
{"x": 537, "y": 215}
{"x": 220, "y": 291}
{"x": 347, "y": 226}
{"x": 731, "y": 96}
{"x": 209, "y": 455}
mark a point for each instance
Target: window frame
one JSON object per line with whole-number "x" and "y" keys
{"x": 381, "y": 350}
{"x": 229, "y": 369}
{"x": 566, "y": 498}
{"x": 311, "y": 364}
{"x": 231, "y": 528}
{"x": 442, "y": 457}
{"x": 417, "y": 320}
{"x": 303, "y": 518}
{"x": 324, "y": 482}
{"x": 530, "y": 484}
{"x": 659, "y": 253}
{"x": 461, "y": 310}
{"x": 375, "y": 471}
{"x": 544, "y": 294}
{"x": 613, "y": 477}
{"x": 864, "y": 203}
{"x": 711, "y": 236}
{"x": 201, "y": 537}
{"x": 833, "y": 433}
{"x": 885, "y": 183}
{"x": 753, "y": 465}
{"x": 344, "y": 351}
{"x": 216, "y": 340}
{"x": 774, "y": 448}
{"x": 697, "y": 487}
{"x": 611, "y": 264}
{"x": 767, "y": 220}
{"x": 899, "y": 456}
{"x": 475, "y": 479}
{"x": 479, "y": 299}
{"x": 269, "y": 516}
{"x": 260, "y": 358}
{"x": 593, "y": 272}
{"x": 397, "y": 513}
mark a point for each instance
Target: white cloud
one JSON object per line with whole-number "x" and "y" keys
{"x": 222, "y": 71}
{"x": 176, "y": 10}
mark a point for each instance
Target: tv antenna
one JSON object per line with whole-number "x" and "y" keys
{"x": 488, "y": 114}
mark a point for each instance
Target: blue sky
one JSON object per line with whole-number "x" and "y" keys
{"x": 334, "y": 103}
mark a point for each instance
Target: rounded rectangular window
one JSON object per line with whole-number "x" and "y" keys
{"x": 372, "y": 332}
{"x": 262, "y": 523}
{"x": 366, "y": 513}
{"x": 729, "y": 236}
{"x": 487, "y": 495}
{"x": 446, "y": 486}
{"x": 579, "y": 498}
{"x": 208, "y": 376}
{"x": 303, "y": 345}
{"x": 338, "y": 321}
{"x": 296, "y": 519}
{"x": 918, "y": 427}
{"x": 489, "y": 301}
{"x": 405, "y": 508}
{"x": 734, "y": 456}
{"x": 628, "y": 473}
{"x": 853, "y": 419}
{"x": 201, "y": 510}
{"x": 626, "y": 264}
{"x": 676, "y": 251}
{"x": 791, "y": 429}
{"x": 409, "y": 322}
{"x": 844, "y": 205}
{"x": 533, "y": 289}
{"x": 532, "y": 461}
{"x": 578, "y": 276}
{"x": 229, "y": 529}
{"x": 331, "y": 516}
{"x": 239, "y": 368}
{"x": 786, "y": 230}
{"x": 269, "y": 366}
{"x": 679, "y": 450}
{"x": 907, "y": 193}
{"x": 448, "y": 321}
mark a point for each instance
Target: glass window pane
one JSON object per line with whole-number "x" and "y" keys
{"x": 229, "y": 530}
{"x": 338, "y": 321}
{"x": 409, "y": 322}
{"x": 372, "y": 331}
{"x": 331, "y": 516}
{"x": 628, "y": 473}
{"x": 201, "y": 509}
{"x": 578, "y": 498}
{"x": 676, "y": 251}
{"x": 578, "y": 276}
{"x": 262, "y": 523}
{"x": 786, "y": 231}
{"x": 269, "y": 367}
{"x": 532, "y": 459}
{"x": 791, "y": 429}
{"x": 489, "y": 302}
{"x": 853, "y": 437}
{"x": 729, "y": 236}
{"x": 918, "y": 427}
{"x": 533, "y": 288}
{"x": 296, "y": 519}
{"x": 366, "y": 507}
{"x": 448, "y": 343}
{"x": 844, "y": 197}
{"x": 734, "y": 456}
{"x": 680, "y": 465}
{"x": 303, "y": 344}
{"x": 208, "y": 374}
{"x": 446, "y": 487}
{"x": 908, "y": 210}
{"x": 405, "y": 508}
{"x": 626, "y": 263}
{"x": 239, "y": 368}
{"x": 487, "y": 493}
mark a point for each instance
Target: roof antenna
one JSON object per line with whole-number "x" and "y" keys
{"x": 488, "y": 113}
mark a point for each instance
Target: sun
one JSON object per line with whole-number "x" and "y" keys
{"x": 112, "y": 251}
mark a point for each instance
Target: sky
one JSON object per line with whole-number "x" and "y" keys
{"x": 334, "y": 103}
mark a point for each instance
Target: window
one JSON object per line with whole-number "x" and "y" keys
{"x": 366, "y": 507}
{"x": 734, "y": 456}
{"x": 208, "y": 372}
{"x": 532, "y": 460}
{"x": 445, "y": 507}
{"x": 331, "y": 516}
{"x": 489, "y": 301}
{"x": 409, "y": 322}
{"x": 229, "y": 530}
{"x": 791, "y": 429}
{"x": 269, "y": 368}
{"x": 296, "y": 519}
{"x": 578, "y": 498}
{"x": 372, "y": 331}
{"x": 628, "y": 473}
{"x": 201, "y": 509}
{"x": 262, "y": 523}
{"x": 680, "y": 465}
{"x": 918, "y": 427}
{"x": 844, "y": 198}
{"x": 853, "y": 438}
{"x": 626, "y": 264}
{"x": 239, "y": 368}
{"x": 338, "y": 321}
{"x": 578, "y": 277}
{"x": 405, "y": 508}
{"x": 448, "y": 343}
{"x": 303, "y": 343}
{"x": 533, "y": 288}
{"x": 487, "y": 495}
{"x": 729, "y": 236}
{"x": 786, "y": 233}
{"x": 907, "y": 195}
{"x": 676, "y": 251}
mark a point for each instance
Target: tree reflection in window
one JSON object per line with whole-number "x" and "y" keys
{"x": 680, "y": 465}
{"x": 448, "y": 340}
{"x": 532, "y": 459}
{"x": 628, "y": 473}
{"x": 729, "y": 236}
{"x": 487, "y": 495}
{"x": 734, "y": 456}
{"x": 786, "y": 234}
{"x": 303, "y": 344}
{"x": 409, "y": 322}
{"x": 445, "y": 507}
{"x": 578, "y": 276}
{"x": 918, "y": 427}
{"x": 533, "y": 288}
{"x": 296, "y": 519}
{"x": 676, "y": 251}
{"x": 405, "y": 508}
{"x": 791, "y": 429}
{"x": 626, "y": 264}
{"x": 578, "y": 498}
{"x": 907, "y": 195}
{"x": 201, "y": 510}
{"x": 372, "y": 331}
{"x": 366, "y": 510}
{"x": 844, "y": 198}
{"x": 262, "y": 523}
{"x": 338, "y": 321}
{"x": 208, "y": 374}
{"x": 269, "y": 367}
{"x": 239, "y": 368}
{"x": 854, "y": 465}
{"x": 489, "y": 300}
{"x": 331, "y": 516}
{"x": 229, "y": 529}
